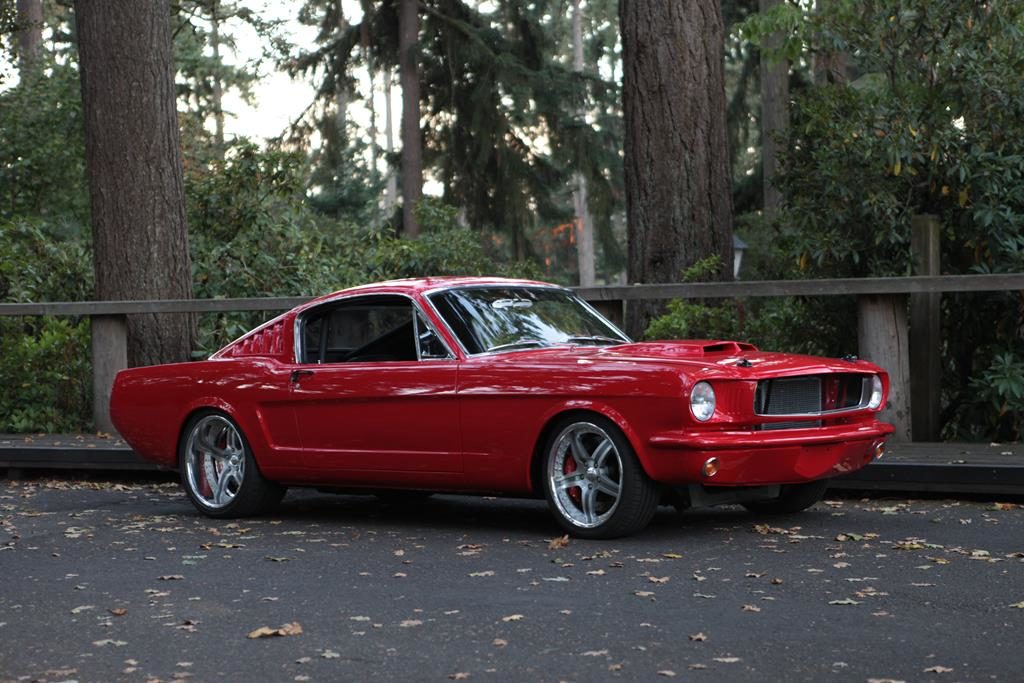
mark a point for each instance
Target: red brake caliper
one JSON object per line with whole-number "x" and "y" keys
{"x": 570, "y": 466}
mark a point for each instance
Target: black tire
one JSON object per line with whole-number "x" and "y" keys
{"x": 213, "y": 445}
{"x": 794, "y": 498}
{"x": 585, "y": 505}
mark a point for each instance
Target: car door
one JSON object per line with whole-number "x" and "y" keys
{"x": 376, "y": 389}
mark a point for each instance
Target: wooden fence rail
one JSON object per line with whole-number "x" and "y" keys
{"x": 882, "y": 324}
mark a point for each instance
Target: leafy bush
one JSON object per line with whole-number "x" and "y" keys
{"x": 45, "y": 367}
{"x": 930, "y": 122}
{"x": 46, "y": 375}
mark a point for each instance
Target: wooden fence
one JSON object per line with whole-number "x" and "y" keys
{"x": 885, "y": 335}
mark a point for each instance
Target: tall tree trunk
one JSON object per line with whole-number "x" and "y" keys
{"x": 391, "y": 189}
{"x": 678, "y": 186}
{"x": 218, "y": 85}
{"x": 341, "y": 88}
{"x": 371, "y": 69}
{"x": 412, "y": 144}
{"x": 774, "y": 113}
{"x": 30, "y": 34}
{"x": 584, "y": 221}
{"x": 133, "y": 160}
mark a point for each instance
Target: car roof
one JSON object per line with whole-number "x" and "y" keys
{"x": 422, "y": 285}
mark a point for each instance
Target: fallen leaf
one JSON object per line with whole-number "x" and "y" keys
{"x": 499, "y": 642}
{"x": 726, "y": 660}
{"x": 329, "y": 654}
{"x": 108, "y": 641}
{"x": 667, "y": 673}
{"x": 594, "y": 653}
{"x": 273, "y": 558}
{"x": 171, "y": 577}
{"x": 698, "y": 637}
{"x": 409, "y": 623}
{"x": 751, "y": 608}
{"x": 118, "y": 611}
{"x": 597, "y": 572}
{"x": 1018, "y": 605}
{"x": 556, "y": 543}
{"x": 643, "y": 594}
{"x": 937, "y": 670}
{"x": 483, "y": 573}
{"x": 847, "y": 601}
{"x": 82, "y": 608}
{"x": 656, "y": 579}
{"x": 672, "y": 556}
{"x": 513, "y": 617}
{"x": 459, "y": 676}
{"x": 291, "y": 629}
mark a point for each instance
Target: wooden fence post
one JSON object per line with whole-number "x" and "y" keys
{"x": 925, "y": 331}
{"x": 882, "y": 339}
{"x": 109, "y": 354}
{"x": 611, "y": 309}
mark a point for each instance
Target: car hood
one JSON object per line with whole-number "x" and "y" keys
{"x": 708, "y": 358}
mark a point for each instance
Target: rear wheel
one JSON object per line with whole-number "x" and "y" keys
{"x": 794, "y": 498}
{"x": 593, "y": 481}
{"x": 218, "y": 471}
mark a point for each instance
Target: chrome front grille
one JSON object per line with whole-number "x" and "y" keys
{"x": 812, "y": 395}
{"x": 789, "y": 396}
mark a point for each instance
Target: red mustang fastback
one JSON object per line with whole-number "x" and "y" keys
{"x": 490, "y": 385}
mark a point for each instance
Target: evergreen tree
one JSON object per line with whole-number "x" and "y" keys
{"x": 500, "y": 107}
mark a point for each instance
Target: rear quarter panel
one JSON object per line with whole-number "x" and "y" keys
{"x": 150, "y": 405}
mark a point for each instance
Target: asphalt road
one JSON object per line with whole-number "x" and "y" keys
{"x": 105, "y": 582}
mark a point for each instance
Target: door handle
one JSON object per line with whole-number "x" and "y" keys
{"x": 299, "y": 374}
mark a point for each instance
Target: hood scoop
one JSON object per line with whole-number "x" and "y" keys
{"x": 698, "y": 348}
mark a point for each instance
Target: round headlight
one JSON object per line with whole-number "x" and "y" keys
{"x": 702, "y": 401}
{"x": 876, "y": 392}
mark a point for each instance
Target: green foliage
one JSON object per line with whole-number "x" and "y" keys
{"x": 254, "y": 234}
{"x": 995, "y": 409}
{"x": 495, "y": 78}
{"x": 45, "y": 373}
{"x": 771, "y": 324}
{"x": 931, "y": 122}
{"x": 42, "y": 157}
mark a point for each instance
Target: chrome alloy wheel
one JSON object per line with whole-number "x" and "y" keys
{"x": 214, "y": 461}
{"x": 585, "y": 475}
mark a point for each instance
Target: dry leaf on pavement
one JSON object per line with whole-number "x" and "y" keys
{"x": 291, "y": 629}
{"x": 556, "y": 543}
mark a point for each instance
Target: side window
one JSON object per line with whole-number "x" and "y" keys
{"x": 366, "y": 329}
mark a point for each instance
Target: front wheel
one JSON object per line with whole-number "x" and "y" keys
{"x": 593, "y": 481}
{"x": 218, "y": 471}
{"x": 794, "y": 498}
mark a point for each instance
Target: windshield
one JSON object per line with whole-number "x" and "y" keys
{"x": 506, "y": 318}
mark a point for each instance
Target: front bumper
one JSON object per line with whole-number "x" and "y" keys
{"x": 754, "y": 458}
